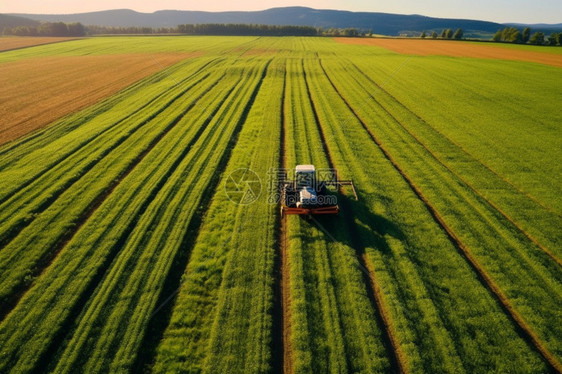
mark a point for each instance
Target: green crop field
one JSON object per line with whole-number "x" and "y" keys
{"x": 143, "y": 233}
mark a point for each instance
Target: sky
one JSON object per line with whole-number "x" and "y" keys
{"x": 521, "y": 11}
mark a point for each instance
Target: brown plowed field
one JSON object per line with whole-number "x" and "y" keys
{"x": 35, "y": 92}
{"x": 9, "y": 43}
{"x": 455, "y": 49}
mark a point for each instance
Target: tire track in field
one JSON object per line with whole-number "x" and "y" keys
{"x": 442, "y": 135}
{"x": 88, "y": 141}
{"x": 282, "y": 356}
{"x": 10, "y": 233}
{"x": 374, "y": 293}
{"x": 521, "y": 326}
{"x": 45, "y": 262}
{"x": 463, "y": 180}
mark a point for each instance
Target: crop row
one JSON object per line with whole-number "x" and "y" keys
{"x": 538, "y": 221}
{"x": 510, "y": 257}
{"x": 409, "y": 251}
{"x": 222, "y": 316}
{"x": 48, "y": 309}
{"x": 47, "y": 212}
{"x": 117, "y": 315}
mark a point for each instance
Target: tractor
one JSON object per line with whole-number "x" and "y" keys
{"x": 305, "y": 195}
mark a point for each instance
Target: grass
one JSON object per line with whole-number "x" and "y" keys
{"x": 71, "y": 197}
{"x": 160, "y": 232}
{"x": 536, "y": 262}
{"x": 140, "y": 44}
{"x": 112, "y": 229}
{"x": 501, "y": 138}
{"x": 204, "y": 318}
{"x": 121, "y": 251}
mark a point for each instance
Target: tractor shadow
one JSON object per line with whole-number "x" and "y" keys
{"x": 358, "y": 227}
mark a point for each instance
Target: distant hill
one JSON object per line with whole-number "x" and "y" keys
{"x": 379, "y": 23}
{"x": 14, "y": 21}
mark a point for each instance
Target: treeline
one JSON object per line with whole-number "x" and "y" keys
{"x": 61, "y": 29}
{"x": 47, "y": 29}
{"x": 445, "y": 34}
{"x": 348, "y": 32}
{"x": 246, "y": 30}
{"x": 513, "y": 35}
{"x": 229, "y": 29}
{"x": 101, "y": 30}
{"x": 265, "y": 30}
{"x": 211, "y": 29}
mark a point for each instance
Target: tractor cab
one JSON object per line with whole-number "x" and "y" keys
{"x": 305, "y": 195}
{"x": 305, "y": 180}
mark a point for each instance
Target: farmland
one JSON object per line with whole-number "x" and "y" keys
{"x": 543, "y": 55}
{"x": 87, "y": 80}
{"x": 10, "y": 43}
{"x": 122, "y": 248}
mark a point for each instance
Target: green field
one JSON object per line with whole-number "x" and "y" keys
{"x": 122, "y": 250}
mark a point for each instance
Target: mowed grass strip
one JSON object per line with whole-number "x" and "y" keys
{"x": 228, "y": 244}
{"x": 35, "y": 92}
